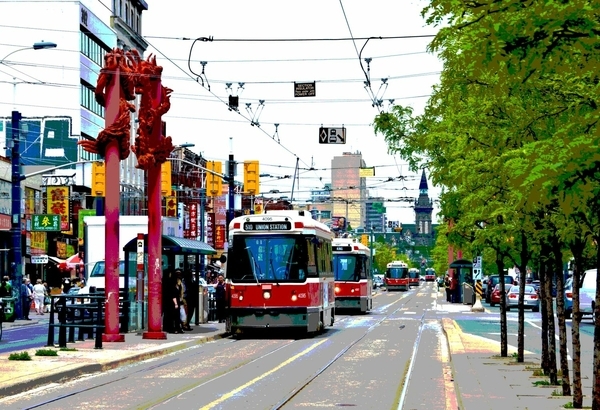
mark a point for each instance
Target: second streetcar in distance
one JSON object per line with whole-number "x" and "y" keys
{"x": 279, "y": 273}
{"x": 429, "y": 275}
{"x": 352, "y": 271}
{"x": 413, "y": 277}
{"x": 396, "y": 276}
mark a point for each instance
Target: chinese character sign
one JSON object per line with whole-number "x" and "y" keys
{"x": 171, "y": 208}
{"x": 210, "y": 228}
{"x": 58, "y": 204}
{"x": 220, "y": 237}
{"x": 193, "y": 221}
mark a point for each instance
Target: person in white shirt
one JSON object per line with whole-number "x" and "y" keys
{"x": 39, "y": 293}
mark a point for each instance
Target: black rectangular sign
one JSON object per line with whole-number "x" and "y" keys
{"x": 341, "y": 248}
{"x": 267, "y": 226}
{"x": 304, "y": 90}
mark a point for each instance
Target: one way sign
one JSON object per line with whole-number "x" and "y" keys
{"x": 332, "y": 135}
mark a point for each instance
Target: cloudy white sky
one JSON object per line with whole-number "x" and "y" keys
{"x": 268, "y": 45}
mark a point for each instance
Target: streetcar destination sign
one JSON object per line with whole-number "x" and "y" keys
{"x": 341, "y": 248}
{"x": 267, "y": 226}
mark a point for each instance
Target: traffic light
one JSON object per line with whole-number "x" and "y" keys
{"x": 214, "y": 183}
{"x": 364, "y": 239}
{"x": 165, "y": 178}
{"x": 251, "y": 180}
{"x": 390, "y": 224}
{"x": 98, "y": 179}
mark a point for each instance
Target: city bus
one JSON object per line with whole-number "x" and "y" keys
{"x": 279, "y": 273}
{"x": 352, "y": 272}
{"x": 396, "y": 276}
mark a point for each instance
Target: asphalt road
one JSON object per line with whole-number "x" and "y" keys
{"x": 394, "y": 357}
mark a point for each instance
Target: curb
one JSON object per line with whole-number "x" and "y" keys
{"x": 82, "y": 369}
{"x": 451, "y": 362}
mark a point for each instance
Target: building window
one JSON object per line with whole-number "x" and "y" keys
{"x": 88, "y": 100}
{"x": 92, "y": 49}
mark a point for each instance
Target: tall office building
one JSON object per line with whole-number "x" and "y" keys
{"x": 348, "y": 188}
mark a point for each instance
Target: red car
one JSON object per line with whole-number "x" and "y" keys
{"x": 495, "y": 296}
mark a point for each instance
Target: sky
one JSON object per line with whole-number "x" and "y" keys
{"x": 324, "y": 41}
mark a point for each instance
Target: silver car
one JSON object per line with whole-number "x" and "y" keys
{"x": 531, "y": 298}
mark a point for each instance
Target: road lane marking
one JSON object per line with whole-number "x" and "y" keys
{"x": 262, "y": 376}
{"x": 556, "y": 337}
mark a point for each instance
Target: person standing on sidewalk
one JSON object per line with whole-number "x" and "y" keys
{"x": 5, "y": 288}
{"x": 39, "y": 293}
{"x": 191, "y": 298}
{"x": 26, "y": 298}
{"x": 220, "y": 298}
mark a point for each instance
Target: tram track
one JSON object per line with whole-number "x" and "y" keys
{"x": 387, "y": 312}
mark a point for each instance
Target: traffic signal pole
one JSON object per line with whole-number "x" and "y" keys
{"x": 231, "y": 196}
{"x": 15, "y": 254}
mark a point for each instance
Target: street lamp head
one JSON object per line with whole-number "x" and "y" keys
{"x": 43, "y": 44}
{"x": 186, "y": 145}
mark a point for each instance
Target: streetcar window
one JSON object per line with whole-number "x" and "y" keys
{"x": 397, "y": 273}
{"x": 254, "y": 258}
{"x": 349, "y": 267}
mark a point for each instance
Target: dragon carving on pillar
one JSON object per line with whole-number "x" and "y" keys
{"x": 119, "y": 130}
{"x": 151, "y": 152}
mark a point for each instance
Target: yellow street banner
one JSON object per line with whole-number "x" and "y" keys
{"x": 58, "y": 204}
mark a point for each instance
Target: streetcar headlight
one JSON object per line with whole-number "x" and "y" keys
{"x": 241, "y": 297}
{"x": 351, "y": 290}
{"x": 266, "y": 295}
{"x": 337, "y": 289}
{"x": 294, "y": 298}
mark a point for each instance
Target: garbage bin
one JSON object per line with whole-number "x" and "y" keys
{"x": 468, "y": 294}
{"x": 9, "y": 309}
{"x": 203, "y": 305}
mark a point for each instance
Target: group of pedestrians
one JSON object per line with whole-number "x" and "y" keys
{"x": 33, "y": 295}
{"x": 452, "y": 289}
{"x": 180, "y": 300}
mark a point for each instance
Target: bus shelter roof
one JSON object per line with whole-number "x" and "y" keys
{"x": 174, "y": 245}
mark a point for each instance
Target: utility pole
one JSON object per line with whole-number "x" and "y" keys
{"x": 15, "y": 254}
{"x": 230, "y": 200}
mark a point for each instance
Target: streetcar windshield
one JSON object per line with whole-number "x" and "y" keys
{"x": 349, "y": 267}
{"x": 267, "y": 258}
{"x": 413, "y": 274}
{"x": 397, "y": 273}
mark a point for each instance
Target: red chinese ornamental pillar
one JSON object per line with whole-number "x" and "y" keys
{"x": 111, "y": 212}
{"x": 154, "y": 230}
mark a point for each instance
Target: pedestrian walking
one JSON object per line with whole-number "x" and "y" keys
{"x": 26, "y": 298}
{"x": 39, "y": 293}
{"x": 220, "y": 297}
{"x": 447, "y": 286}
{"x": 191, "y": 296}
{"x": 177, "y": 303}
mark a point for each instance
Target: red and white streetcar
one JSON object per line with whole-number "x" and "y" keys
{"x": 396, "y": 276}
{"x": 279, "y": 272}
{"x": 352, "y": 270}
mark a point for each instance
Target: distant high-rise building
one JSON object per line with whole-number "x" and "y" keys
{"x": 348, "y": 188}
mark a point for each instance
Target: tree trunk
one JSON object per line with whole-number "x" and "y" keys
{"x": 551, "y": 331}
{"x": 521, "y": 313}
{"x": 596, "y": 373}
{"x": 560, "y": 314}
{"x": 544, "y": 312}
{"x": 576, "y": 319}
{"x": 503, "y": 327}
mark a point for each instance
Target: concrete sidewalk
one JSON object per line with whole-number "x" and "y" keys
{"x": 18, "y": 376}
{"x": 484, "y": 380}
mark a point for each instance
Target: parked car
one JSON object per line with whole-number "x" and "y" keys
{"x": 531, "y": 300}
{"x": 568, "y": 298}
{"x": 495, "y": 297}
{"x": 493, "y": 280}
{"x": 587, "y": 292}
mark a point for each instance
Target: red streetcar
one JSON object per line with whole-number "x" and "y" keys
{"x": 413, "y": 277}
{"x": 429, "y": 275}
{"x": 279, "y": 272}
{"x": 396, "y": 276}
{"x": 352, "y": 271}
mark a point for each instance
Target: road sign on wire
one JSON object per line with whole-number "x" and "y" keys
{"x": 332, "y": 135}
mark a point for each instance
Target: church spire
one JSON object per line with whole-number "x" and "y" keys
{"x": 423, "y": 188}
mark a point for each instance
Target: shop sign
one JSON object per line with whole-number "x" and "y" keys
{"x": 58, "y": 204}
{"x": 45, "y": 222}
{"x": 39, "y": 259}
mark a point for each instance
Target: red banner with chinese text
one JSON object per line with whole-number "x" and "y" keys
{"x": 220, "y": 237}
{"x": 58, "y": 204}
{"x": 193, "y": 220}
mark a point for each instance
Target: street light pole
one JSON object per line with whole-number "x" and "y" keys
{"x": 231, "y": 183}
{"x": 15, "y": 254}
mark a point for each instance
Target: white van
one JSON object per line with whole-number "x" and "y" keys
{"x": 97, "y": 278}
{"x": 587, "y": 293}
